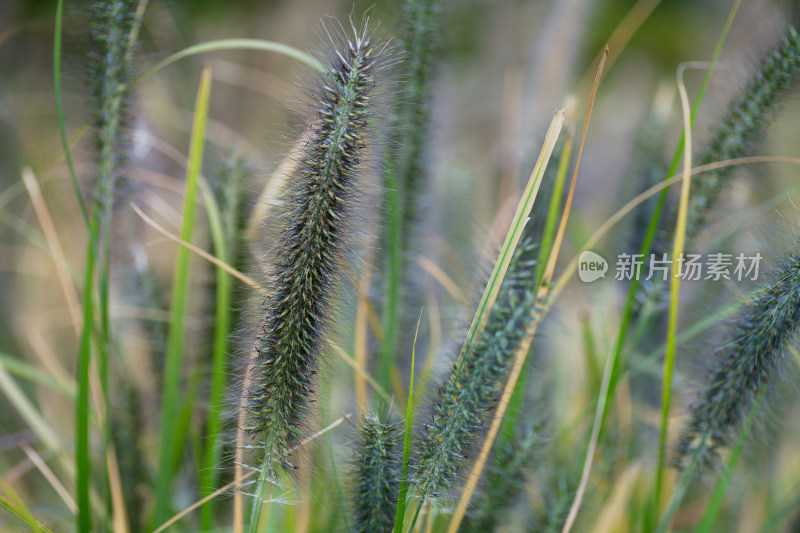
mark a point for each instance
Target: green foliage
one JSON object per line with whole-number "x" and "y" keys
{"x": 226, "y": 231}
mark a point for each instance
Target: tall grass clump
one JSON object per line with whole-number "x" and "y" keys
{"x": 306, "y": 264}
{"x": 745, "y": 366}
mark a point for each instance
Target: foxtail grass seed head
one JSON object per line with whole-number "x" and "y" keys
{"x": 463, "y": 402}
{"x": 745, "y": 366}
{"x": 111, "y": 64}
{"x": 747, "y": 118}
{"x": 313, "y": 235}
{"x": 420, "y": 31}
{"x": 377, "y": 475}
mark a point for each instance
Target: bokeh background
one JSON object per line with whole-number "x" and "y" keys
{"x": 502, "y": 68}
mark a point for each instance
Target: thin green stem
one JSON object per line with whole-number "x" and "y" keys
{"x": 675, "y": 282}
{"x": 82, "y": 407}
{"x": 259, "y": 497}
{"x": 222, "y": 241}
{"x": 403, "y": 495}
{"x": 174, "y": 356}
{"x": 619, "y": 347}
{"x": 62, "y": 126}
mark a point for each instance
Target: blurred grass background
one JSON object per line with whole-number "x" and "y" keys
{"x": 504, "y": 67}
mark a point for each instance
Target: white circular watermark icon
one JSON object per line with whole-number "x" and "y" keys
{"x": 591, "y": 266}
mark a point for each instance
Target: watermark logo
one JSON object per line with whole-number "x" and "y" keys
{"x": 690, "y": 267}
{"x": 591, "y": 266}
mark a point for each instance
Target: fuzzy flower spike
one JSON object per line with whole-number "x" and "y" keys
{"x": 306, "y": 258}
{"x": 461, "y": 407}
{"x": 745, "y": 366}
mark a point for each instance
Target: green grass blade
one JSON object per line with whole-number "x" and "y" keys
{"x": 654, "y": 221}
{"x": 16, "y": 507}
{"x": 82, "y": 460}
{"x": 401, "y": 500}
{"x": 209, "y": 472}
{"x": 234, "y": 44}
{"x": 31, "y": 373}
{"x": 622, "y": 336}
{"x": 513, "y": 236}
{"x": 62, "y": 126}
{"x": 674, "y": 297}
{"x": 174, "y": 356}
{"x": 82, "y": 406}
{"x": 675, "y": 282}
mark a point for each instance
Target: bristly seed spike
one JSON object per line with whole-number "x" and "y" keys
{"x": 305, "y": 267}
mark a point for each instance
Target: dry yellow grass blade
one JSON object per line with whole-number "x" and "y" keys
{"x": 604, "y": 228}
{"x": 361, "y": 372}
{"x": 119, "y": 514}
{"x": 620, "y": 37}
{"x": 360, "y": 334}
{"x": 51, "y": 478}
{"x": 247, "y": 280}
{"x": 54, "y": 245}
{"x": 573, "y": 512}
{"x": 443, "y": 279}
{"x": 238, "y": 475}
{"x": 268, "y": 197}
